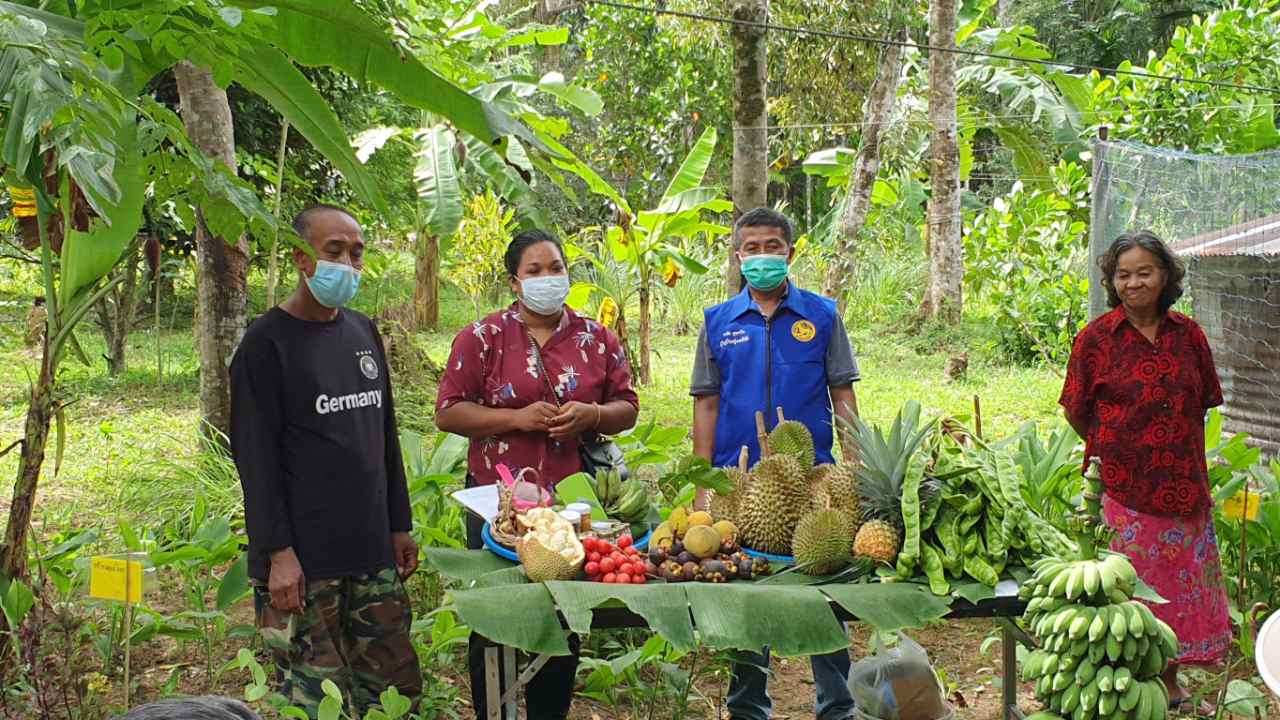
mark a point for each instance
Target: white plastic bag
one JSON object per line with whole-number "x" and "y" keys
{"x": 898, "y": 684}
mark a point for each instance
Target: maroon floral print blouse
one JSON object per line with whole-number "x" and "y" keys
{"x": 492, "y": 364}
{"x": 1145, "y": 403}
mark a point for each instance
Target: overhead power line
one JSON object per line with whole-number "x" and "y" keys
{"x": 795, "y": 30}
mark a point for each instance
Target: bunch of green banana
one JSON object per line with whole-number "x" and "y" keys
{"x": 625, "y": 500}
{"x": 1101, "y": 652}
{"x": 1139, "y": 700}
{"x": 1094, "y": 582}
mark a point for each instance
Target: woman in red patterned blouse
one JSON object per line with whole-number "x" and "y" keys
{"x": 493, "y": 393}
{"x": 1138, "y": 385}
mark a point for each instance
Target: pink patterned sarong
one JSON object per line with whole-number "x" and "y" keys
{"x": 1178, "y": 557}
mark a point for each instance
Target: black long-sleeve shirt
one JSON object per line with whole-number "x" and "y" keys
{"x": 313, "y": 432}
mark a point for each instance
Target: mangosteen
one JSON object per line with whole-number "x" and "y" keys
{"x": 651, "y": 568}
{"x": 690, "y": 570}
{"x": 657, "y": 555}
{"x": 685, "y": 557}
{"x": 745, "y": 569}
{"x": 677, "y": 548}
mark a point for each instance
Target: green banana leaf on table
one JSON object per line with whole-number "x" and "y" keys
{"x": 497, "y": 602}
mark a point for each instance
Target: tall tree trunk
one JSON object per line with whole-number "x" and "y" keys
{"x": 546, "y": 12}
{"x": 426, "y": 289}
{"x": 116, "y": 311}
{"x": 750, "y": 119}
{"x": 223, "y": 266}
{"x": 13, "y": 553}
{"x": 946, "y": 251}
{"x": 875, "y": 117}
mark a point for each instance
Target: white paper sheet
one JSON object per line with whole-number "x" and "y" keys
{"x": 481, "y": 500}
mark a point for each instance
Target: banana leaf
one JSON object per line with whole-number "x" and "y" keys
{"x": 339, "y": 34}
{"x": 890, "y": 606}
{"x": 694, "y": 167}
{"x": 464, "y": 565}
{"x": 88, "y": 256}
{"x": 794, "y": 620}
{"x": 522, "y": 616}
{"x": 664, "y": 607}
{"x": 270, "y": 74}
{"x": 437, "y": 181}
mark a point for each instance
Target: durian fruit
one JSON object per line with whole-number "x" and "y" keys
{"x": 877, "y": 540}
{"x": 819, "y": 494}
{"x": 838, "y": 483}
{"x": 777, "y": 497}
{"x": 702, "y": 541}
{"x": 725, "y": 507}
{"x": 823, "y": 542}
{"x": 550, "y": 549}
{"x": 793, "y": 438}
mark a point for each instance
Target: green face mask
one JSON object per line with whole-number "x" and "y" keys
{"x": 765, "y": 272}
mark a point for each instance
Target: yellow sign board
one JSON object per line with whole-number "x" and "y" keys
{"x": 115, "y": 579}
{"x": 1236, "y": 507}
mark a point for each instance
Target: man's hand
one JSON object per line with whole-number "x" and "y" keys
{"x": 575, "y": 419}
{"x": 286, "y": 582}
{"x": 536, "y": 417}
{"x": 406, "y": 552}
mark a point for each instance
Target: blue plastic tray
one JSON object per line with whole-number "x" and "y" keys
{"x": 503, "y": 551}
{"x": 782, "y": 559}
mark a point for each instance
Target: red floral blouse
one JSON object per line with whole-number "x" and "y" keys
{"x": 493, "y": 365}
{"x": 1144, "y": 403}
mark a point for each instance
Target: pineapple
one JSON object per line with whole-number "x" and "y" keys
{"x": 877, "y": 540}
{"x": 878, "y": 480}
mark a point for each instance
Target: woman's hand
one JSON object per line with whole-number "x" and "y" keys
{"x": 536, "y": 417}
{"x": 575, "y": 419}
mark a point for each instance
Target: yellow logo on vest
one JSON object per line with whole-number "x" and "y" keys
{"x": 803, "y": 330}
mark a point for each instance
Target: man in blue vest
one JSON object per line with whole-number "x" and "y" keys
{"x": 773, "y": 345}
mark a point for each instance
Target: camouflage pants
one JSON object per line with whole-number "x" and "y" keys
{"x": 353, "y": 631}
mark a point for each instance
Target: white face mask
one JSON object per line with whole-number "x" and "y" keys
{"x": 545, "y": 295}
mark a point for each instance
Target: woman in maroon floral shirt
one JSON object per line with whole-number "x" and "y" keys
{"x": 1139, "y": 383}
{"x": 493, "y": 393}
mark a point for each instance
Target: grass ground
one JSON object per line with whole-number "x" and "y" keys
{"x": 129, "y": 437}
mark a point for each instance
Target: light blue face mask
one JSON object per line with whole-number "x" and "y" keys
{"x": 765, "y": 272}
{"x": 545, "y": 295}
{"x": 333, "y": 284}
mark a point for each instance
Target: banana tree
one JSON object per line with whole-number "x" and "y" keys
{"x": 451, "y": 160}
{"x": 643, "y": 242}
{"x": 78, "y": 136}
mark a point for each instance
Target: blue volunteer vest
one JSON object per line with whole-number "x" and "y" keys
{"x": 767, "y": 364}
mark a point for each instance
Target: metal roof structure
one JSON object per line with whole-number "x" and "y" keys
{"x": 1260, "y": 237}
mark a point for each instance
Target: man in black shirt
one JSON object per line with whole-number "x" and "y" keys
{"x": 313, "y": 433}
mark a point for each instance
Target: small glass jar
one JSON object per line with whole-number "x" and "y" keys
{"x": 609, "y": 530}
{"x": 584, "y": 511}
{"x": 574, "y": 518}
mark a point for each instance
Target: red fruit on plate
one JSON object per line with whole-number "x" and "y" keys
{"x": 624, "y": 541}
{"x": 637, "y": 579}
{"x": 593, "y": 557}
{"x": 608, "y": 565}
{"x": 611, "y": 578}
{"x": 592, "y": 568}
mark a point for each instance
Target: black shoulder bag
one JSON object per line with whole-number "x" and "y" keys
{"x": 597, "y": 452}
